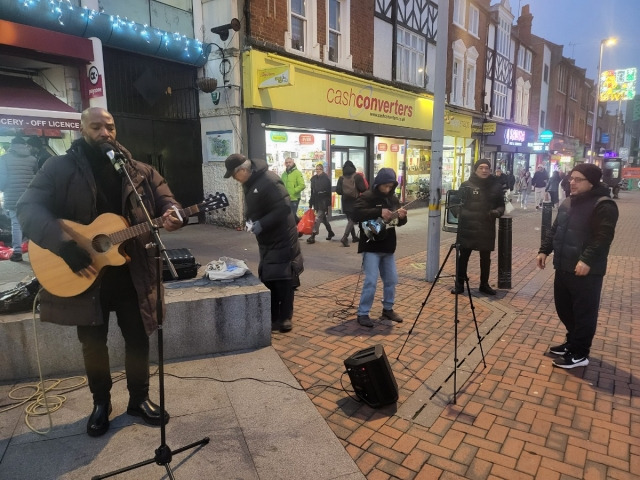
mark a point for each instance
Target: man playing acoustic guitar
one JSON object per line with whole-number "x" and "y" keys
{"x": 79, "y": 186}
{"x": 378, "y": 250}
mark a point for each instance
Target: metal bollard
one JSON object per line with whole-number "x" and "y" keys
{"x": 504, "y": 251}
{"x": 547, "y": 216}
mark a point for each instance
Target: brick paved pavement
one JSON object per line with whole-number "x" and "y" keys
{"x": 518, "y": 418}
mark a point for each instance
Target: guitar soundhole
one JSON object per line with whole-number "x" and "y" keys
{"x": 101, "y": 243}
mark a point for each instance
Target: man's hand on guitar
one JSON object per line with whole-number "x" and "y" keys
{"x": 171, "y": 221}
{"x": 402, "y": 213}
{"x": 77, "y": 258}
{"x": 386, "y": 214}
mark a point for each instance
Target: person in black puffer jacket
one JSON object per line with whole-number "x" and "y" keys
{"x": 580, "y": 238}
{"x": 482, "y": 202}
{"x": 269, "y": 215}
{"x": 379, "y": 204}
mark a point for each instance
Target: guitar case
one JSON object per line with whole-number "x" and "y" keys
{"x": 184, "y": 263}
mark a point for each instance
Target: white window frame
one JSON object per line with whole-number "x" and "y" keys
{"x": 519, "y": 100}
{"x": 504, "y": 37}
{"x": 410, "y": 58}
{"x": 499, "y": 100}
{"x": 457, "y": 73}
{"x": 526, "y": 100}
{"x": 474, "y": 21}
{"x": 344, "y": 42}
{"x": 459, "y": 7}
{"x": 310, "y": 18}
{"x": 470, "y": 78}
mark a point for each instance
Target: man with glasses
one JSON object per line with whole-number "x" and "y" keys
{"x": 580, "y": 237}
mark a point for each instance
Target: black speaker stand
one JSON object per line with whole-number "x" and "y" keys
{"x": 456, "y": 247}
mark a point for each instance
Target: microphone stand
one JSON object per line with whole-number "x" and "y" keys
{"x": 163, "y": 453}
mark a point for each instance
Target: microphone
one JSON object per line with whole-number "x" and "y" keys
{"x": 117, "y": 158}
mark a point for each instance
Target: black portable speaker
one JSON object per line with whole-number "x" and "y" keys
{"x": 371, "y": 376}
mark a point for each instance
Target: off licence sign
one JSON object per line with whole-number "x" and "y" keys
{"x": 631, "y": 172}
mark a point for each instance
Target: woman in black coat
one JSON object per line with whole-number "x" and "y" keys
{"x": 482, "y": 202}
{"x": 268, "y": 211}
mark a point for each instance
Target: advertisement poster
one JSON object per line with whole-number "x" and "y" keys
{"x": 219, "y": 145}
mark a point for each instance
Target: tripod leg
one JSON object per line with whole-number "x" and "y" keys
{"x": 475, "y": 322}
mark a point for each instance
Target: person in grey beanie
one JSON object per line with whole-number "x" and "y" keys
{"x": 580, "y": 238}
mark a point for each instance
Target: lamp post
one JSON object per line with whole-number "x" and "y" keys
{"x": 607, "y": 41}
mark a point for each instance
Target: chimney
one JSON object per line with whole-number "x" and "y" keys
{"x": 524, "y": 23}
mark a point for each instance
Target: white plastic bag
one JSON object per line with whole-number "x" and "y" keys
{"x": 508, "y": 206}
{"x": 226, "y": 268}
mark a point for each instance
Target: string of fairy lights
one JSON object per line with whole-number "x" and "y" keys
{"x": 60, "y": 9}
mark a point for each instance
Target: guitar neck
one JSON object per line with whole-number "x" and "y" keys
{"x": 135, "y": 230}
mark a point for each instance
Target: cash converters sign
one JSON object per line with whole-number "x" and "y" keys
{"x": 320, "y": 91}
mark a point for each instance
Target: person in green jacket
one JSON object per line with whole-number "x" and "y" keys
{"x": 294, "y": 182}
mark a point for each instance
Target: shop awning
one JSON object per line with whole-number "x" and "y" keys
{"x": 26, "y": 105}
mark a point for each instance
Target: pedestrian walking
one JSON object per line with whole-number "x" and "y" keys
{"x": 580, "y": 238}
{"x": 553, "y": 187}
{"x": 320, "y": 201}
{"x": 350, "y": 186}
{"x": 524, "y": 188}
{"x": 539, "y": 184}
{"x": 294, "y": 183}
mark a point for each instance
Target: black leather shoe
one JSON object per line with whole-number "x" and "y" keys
{"x": 457, "y": 289}
{"x": 330, "y": 235}
{"x": 487, "y": 289}
{"x": 98, "y": 423}
{"x": 148, "y": 411}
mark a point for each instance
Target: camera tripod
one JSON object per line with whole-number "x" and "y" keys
{"x": 456, "y": 247}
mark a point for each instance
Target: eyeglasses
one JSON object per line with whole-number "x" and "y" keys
{"x": 577, "y": 179}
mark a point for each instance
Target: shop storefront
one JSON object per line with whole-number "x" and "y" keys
{"x": 316, "y": 115}
{"x": 458, "y": 152}
{"x": 510, "y": 148}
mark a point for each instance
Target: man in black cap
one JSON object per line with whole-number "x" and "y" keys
{"x": 482, "y": 202}
{"x": 269, "y": 217}
{"x": 580, "y": 237}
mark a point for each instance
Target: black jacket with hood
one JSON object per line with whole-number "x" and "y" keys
{"x": 369, "y": 205}
{"x": 267, "y": 202}
{"x": 482, "y": 203}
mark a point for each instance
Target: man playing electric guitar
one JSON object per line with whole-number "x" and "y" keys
{"x": 79, "y": 186}
{"x": 378, "y": 252}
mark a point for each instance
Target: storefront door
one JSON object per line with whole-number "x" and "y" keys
{"x": 339, "y": 155}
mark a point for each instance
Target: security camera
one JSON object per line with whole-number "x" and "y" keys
{"x": 223, "y": 30}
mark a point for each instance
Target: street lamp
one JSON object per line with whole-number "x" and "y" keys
{"x": 608, "y": 42}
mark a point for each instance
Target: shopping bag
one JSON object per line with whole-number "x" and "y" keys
{"x": 305, "y": 225}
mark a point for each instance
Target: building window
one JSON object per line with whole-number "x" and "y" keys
{"x": 543, "y": 119}
{"x": 527, "y": 61}
{"x": 459, "y": 7}
{"x": 521, "y": 57}
{"x": 570, "y": 124}
{"x": 525, "y": 103}
{"x": 504, "y": 37}
{"x": 573, "y": 88}
{"x": 334, "y": 30}
{"x": 562, "y": 79}
{"x": 298, "y": 25}
{"x": 545, "y": 76}
{"x": 500, "y": 100}
{"x": 470, "y": 79}
{"x": 474, "y": 20}
{"x": 410, "y": 57}
{"x": 456, "y": 82}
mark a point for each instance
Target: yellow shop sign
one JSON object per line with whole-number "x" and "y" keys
{"x": 321, "y": 91}
{"x": 275, "y": 77}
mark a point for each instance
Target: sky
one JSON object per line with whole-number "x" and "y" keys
{"x": 580, "y": 25}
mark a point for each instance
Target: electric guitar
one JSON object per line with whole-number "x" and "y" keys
{"x": 374, "y": 229}
{"x": 103, "y": 239}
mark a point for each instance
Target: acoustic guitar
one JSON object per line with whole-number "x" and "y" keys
{"x": 103, "y": 239}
